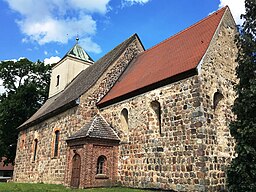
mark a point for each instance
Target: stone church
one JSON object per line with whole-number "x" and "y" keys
{"x": 155, "y": 118}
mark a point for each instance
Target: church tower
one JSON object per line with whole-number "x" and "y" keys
{"x": 75, "y": 60}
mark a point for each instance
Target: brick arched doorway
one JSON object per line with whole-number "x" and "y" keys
{"x": 76, "y": 167}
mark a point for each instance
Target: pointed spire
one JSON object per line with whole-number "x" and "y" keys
{"x": 78, "y": 52}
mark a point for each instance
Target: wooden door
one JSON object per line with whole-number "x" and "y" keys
{"x": 76, "y": 166}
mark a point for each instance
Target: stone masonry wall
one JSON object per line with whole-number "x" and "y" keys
{"x": 45, "y": 168}
{"x": 218, "y": 75}
{"x": 50, "y": 169}
{"x": 169, "y": 159}
{"x": 188, "y": 149}
{"x": 194, "y": 147}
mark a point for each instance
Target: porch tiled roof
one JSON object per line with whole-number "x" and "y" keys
{"x": 97, "y": 128}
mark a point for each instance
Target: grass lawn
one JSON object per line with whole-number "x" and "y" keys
{"x": 25, "y": 187}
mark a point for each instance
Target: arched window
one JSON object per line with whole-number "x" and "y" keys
{"x": 216, "y": 99}
{"x": 22, "y": 140}
{"x": 101, "y": 164}
{"x": 155, "y": 105}
{"x": 58, "y": 80}
{"x": 124, "y": 120}
{"x": 22, "y": 143}
{"x": 35, "y": 149}
{"x": 56, "y": 143}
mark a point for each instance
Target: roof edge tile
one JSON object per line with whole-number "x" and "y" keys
{"x": 186, "y": 29}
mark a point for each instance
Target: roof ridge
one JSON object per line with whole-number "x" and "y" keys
{"x": 186, "y": 29}
{"x": 174, "y": 59}
{"x": 126, "y": 40}
{"x": 217, "y": 28}
{"x": 91, "y": 127}
{"x": 75, "y": 89}
{"x": 99, "y": 115}
{"x": 97, "y": 128}
{"x": 111, "y": 60}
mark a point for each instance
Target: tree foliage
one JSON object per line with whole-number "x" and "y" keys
{"x": 242, "y": 171}
{"x": 26, "y": 84}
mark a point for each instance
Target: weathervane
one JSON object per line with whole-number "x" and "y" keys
{"x": 77, "y": 38}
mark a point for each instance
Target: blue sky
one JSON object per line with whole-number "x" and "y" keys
{"x": 47, "y": 29}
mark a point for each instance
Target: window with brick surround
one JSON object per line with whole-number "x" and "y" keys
{"x": 155, "y": 105}
{"x": 101, "y": 165}
{"x": 35, "y": 149}
{"x": 56, "y": 143}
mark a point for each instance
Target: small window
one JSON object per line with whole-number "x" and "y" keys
{"x": 155, "y": 105}
{"x": 216, "y": 99}
{"x": 101, "y": 164}
{"x": 22, "y": 140}
{"x": 22, "y": 143}
{"x": 58, "y": 80}
{"x": 56, "y": 143}
{"x": 35, "y": 149}
{"x": 124, "y": 120}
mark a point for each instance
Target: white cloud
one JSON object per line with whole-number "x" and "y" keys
{"x": 100, "y": 6}
{"x": 133, "y": 2}
{"x": 45, "y": 52}
{"x": 51, "y": 60}
{"x": 2, "y": 90}
{"x": 136, "y": 1}
{"x": 45, "y": 21}
{"x": 237, "y": 8}
{"x": 15, "y": 60}
{"x": 89, "y": 45}
{"x": 52, "y": 30}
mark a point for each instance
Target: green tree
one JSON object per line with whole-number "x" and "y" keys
{"x": 242, "y": 171}
{"x": 26, "y": 84}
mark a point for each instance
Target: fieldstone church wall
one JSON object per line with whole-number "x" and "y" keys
{"x": 218, "y": 79}
{"x": 160, "y": 159}
{"x": 192, "y": 146}
{"x": 173, "y": 137}
{"x": 45, "y": 167}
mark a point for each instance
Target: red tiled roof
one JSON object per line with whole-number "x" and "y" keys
{"x": 180, "y": 53}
